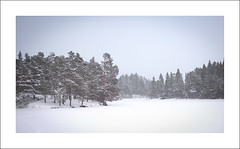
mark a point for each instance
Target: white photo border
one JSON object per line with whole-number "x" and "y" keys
{"x": 228, "y": 9}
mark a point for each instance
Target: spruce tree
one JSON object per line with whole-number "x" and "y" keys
{"x": 167, "y": 87}
{"x": 179, "y": 85}
{"x": 161, "y": 86}
{"x": 172, "y": 87}
{"x": 153, "y": 93}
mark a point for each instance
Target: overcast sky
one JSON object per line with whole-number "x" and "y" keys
{"x": 147, "y": 45}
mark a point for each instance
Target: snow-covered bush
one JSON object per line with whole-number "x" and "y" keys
{"x": 23, "y": 99}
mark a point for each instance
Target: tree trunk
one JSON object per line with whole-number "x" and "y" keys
{"x": 82, "y": 103}
{"x": 70, "y": 98}
{"x": 59, "y": 100}
{"x": 104, "y": 103}
{"x": 45, "y": 99}
{"x": 63, "y": 100}
{"x": 103, "y": 100}
{"x": 54, "y": 97}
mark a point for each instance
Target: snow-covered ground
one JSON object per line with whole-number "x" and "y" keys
{"x": 125, "y": 116}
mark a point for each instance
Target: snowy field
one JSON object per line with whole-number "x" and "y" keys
{"x": 125, "y": 116}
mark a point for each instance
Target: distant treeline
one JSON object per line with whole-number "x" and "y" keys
{"x": 202, "y": 83}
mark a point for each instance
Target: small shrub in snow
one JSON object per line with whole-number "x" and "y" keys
{"x": 22, "y": 100}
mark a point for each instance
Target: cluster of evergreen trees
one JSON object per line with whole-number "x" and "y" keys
{"x": 65, "y": 78}
{"x": 206, "y": 82}
{"x": 133, "y": 85}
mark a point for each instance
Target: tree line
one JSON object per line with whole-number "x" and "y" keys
{"x": 202, "y": 83}
{"x": 64, "y": 78}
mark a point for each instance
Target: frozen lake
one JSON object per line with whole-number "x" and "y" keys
{"x": 127, "y": 116}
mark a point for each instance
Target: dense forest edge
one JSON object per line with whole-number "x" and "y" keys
{"x": 66, "y": 78}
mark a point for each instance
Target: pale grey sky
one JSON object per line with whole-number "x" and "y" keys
{"x": 147, "y": 45}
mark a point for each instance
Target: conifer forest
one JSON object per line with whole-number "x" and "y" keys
{"x": 64, "y": 78}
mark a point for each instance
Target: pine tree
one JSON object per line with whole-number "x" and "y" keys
{"x": 53, "y": 75}
{"x": 27, "y": 58}
{"x": 24, "y": 88}
{"x": 20, "y": 56}
{"x": 142, "y": 88}
{"x": 70, "y": 76}
{"x": 135, "y": 82}
{"x": 59, "y": 68}
{"x": 203, "y": 75}
{"x": 95, "y": 75}
{"x": 153, "y": 93}
{"x": 179, "y": 85}
{"x": 45, "y": 78}
{"x": 80, "y": 73}
{"x": 110, "y": 72}
{"x": 35, "y": 70}
{"x": 27, "y": 76}
{"x": 172, "y": 88}
{"x": 193, "y": 87}
{"x": 167, "y": 87}
{"x": 220, "y": 73}
{"x": 161, "y": 86}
